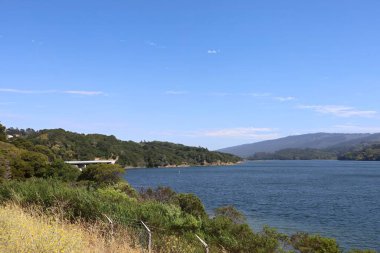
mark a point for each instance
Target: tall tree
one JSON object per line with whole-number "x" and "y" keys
{"x": 3, "y": 134}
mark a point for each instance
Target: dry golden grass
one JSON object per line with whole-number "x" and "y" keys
{"x": 32, "y": 231}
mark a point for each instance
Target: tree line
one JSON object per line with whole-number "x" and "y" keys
{"x": 369, "y": 152}
{"x": 65, "y": 145}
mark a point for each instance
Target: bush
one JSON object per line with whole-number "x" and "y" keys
{"x": 60, "y": 170}
{"x": 3, "y": 134}
{"x": 173, "y": 224}
{"x": 191, "y": 204}
{"x": 307, "y": 243}
{"x": 362, "y": 251}
{"x": 126, "y": 188}
{"x": 102, "y": 174}
{"x": 239, "y": 238}
{"x": 161, "y": 194}
{"x": 29, "y": 164}
{"x": 230, "y": 212}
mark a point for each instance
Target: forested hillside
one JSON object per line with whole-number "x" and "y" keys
{"x": 296, "y": 154}
{"x": 65, "y": 145}
{"x": 369, "y": 153}
{"x": 18, "y": 163}
{"x": 360, "y": 153}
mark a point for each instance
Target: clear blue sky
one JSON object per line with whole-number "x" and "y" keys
{"x": 204, "y": 73}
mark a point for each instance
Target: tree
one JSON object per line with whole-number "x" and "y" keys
{"x": 44, "y": 150}
{"x": 29, "y": 164}
{"x": 3, "y": 134}
{"x": 59, "y": 169}
{"x": 191, "y": 204}
{"x": 102, "y": 174}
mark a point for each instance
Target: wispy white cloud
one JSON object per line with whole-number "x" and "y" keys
{"x": 284, "y": 99}
{"x": 84, "y": 92}
{"x": 269, "y": 95}
{"x": 36, "y": 92}
{"x": 176, "y": 92}
{"x": 257, "y": 94}
{"x": 213, "y": 51}
{"x": 19, "y": 91}
{"x": 339, "y": 110}
{"x": 153, "y": 44}
{"x": 37, "y": 42}
{"x": 247, "y": 133}
{"x": 265, "y": 95}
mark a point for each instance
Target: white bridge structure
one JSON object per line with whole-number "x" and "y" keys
{"x": 83, "y": 164}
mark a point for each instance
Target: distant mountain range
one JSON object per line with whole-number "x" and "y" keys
{"x": 337, "y": 143}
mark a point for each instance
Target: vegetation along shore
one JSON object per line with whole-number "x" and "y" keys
{"x": 47, "y": 204}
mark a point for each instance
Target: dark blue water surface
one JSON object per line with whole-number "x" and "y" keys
{"x": 338, "y": 199}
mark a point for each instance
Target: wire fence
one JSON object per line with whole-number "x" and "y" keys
{"x": 144, "y": 233}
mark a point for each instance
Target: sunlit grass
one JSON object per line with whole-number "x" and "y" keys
{"x": 32, "y": 231}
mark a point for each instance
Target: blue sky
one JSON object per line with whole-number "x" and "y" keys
{"x": 201, "y": 73}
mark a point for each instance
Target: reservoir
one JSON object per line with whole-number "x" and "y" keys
{"x": 339, "y": 199}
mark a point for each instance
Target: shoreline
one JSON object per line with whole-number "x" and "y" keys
{"x": 172, "y": 166}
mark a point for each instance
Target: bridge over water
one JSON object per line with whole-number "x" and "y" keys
{"x": 83, "y": 164}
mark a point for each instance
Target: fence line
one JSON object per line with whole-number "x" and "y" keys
{"x": 148, "y": 228}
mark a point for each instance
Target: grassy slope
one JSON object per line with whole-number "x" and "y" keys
{"x": 174, "y": 224}
{"x": 32, "y": 231}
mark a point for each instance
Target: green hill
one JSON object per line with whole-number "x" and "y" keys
{"x": 335, "y": 142}
{"x": 296, "y": 154}
{"x": 65, "y": 145}
{"x": 368, "y": 153}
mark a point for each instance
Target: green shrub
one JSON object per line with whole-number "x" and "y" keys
{"x": 29, "y": 164}
{"x": 173, "y": 224}
{"x": 230, "y": 212}
{"x": 102, "y": 174}
{"x": 161, "y": 194}
{"x": 3, "y": 134}
{"x": 190, "y": 204}
{"x": 362, "y": 251}
{"x": 126, "y": 188}
{"x": 307, "y": 243}
{"x": 60, "y": 170}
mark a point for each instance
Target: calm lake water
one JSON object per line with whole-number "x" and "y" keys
{"x": 338, "y": 199}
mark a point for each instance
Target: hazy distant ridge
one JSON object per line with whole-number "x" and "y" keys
{"x": 313, "y": 141}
